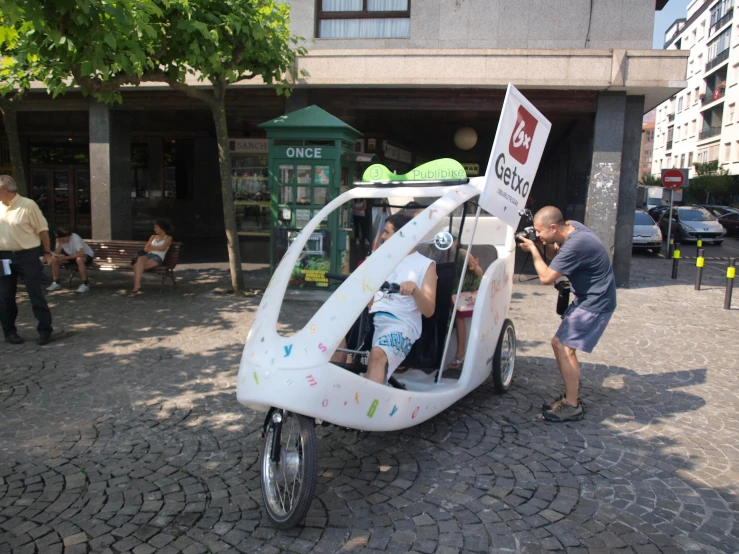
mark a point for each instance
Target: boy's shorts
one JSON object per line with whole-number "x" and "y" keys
{"x": 392, "y": 335}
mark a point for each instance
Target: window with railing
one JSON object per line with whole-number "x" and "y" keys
{"x": 363, "y": 19}
{"x": 721, "y": 14}
{"x": 718, "y": 50}
{"x": 708, "y": 132}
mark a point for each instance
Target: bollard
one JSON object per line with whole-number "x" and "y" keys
{"x": 675, "y": 262}
{"x": 698, "y": 246}
{"x": 699, "y": 269}
{"x": 730, "y": 272}
{"x": 670, "y": 247}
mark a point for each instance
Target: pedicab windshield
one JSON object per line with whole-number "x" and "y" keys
{"x": 339, "y": 246}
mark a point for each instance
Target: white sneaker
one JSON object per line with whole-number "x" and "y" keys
{"x": 54, "y": 286}
{"x": 83, "y": 288}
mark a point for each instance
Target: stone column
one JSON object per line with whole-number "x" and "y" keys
{"x": 605, "y": 171}
{"x": 110, "y": 173}
{"x": 627, "y": 189}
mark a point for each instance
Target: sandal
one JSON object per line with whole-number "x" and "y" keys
{"x": 134, "y": 293}
{"x": 456, "y": 364}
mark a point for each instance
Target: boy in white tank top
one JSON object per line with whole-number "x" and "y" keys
{"x": 397, "y": 317}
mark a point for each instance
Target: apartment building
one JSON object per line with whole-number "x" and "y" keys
{"x": 699, "y": 124}
{"x": 647, "y": 147}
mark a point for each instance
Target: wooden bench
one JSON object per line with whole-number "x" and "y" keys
{"x": 116, "y": 255}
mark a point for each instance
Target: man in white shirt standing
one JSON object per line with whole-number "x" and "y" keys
{"x": 24, "y": 236}
{"x": 70, "y": 249}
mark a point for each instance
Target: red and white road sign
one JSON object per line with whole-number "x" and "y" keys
{"x": 673, "y": 178}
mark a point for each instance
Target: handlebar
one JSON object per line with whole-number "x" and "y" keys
{"x": 391, "y": 288}
{"x": 336, "y": 276}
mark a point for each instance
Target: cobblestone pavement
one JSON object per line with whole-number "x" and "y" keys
{"x": 124, "y": 435}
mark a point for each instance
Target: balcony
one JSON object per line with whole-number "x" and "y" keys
{"x": 671, "y": 117}
{"x": 721, "y": 22}
{"x": 713, "y": 96}
{"x": 720, "y": 58}
{"x": 669, "y": 145}
{"x": 709, "y": 132}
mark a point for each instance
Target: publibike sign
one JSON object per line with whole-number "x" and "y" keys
{"x": 519, "y": 143}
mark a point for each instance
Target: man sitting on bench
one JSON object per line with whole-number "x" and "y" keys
{"x": 397, "y": 317}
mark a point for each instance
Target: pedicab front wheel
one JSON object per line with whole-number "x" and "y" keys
{"x": 504, "y": 359}
{"x": 288, "y": 468}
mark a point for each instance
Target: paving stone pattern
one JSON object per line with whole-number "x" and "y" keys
{"x": 124, "y": 435}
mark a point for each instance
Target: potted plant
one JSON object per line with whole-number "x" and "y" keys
{"x": 702, "y": 95}
{"x": 722, "y": 85}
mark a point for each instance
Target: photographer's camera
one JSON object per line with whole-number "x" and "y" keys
{"x": 527, "y": 233}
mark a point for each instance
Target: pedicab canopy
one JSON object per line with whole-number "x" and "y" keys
{"x": 310, "y": 161}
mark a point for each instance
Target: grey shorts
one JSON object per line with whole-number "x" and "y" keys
{"x": 581, "y": 329}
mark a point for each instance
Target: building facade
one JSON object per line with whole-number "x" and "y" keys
{"x": 408, "y": 75}
{"x": 699, "y": 123}
{"x": 647, "y": 145}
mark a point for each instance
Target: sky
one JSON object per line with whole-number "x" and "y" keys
{"x": 674, "y": 9}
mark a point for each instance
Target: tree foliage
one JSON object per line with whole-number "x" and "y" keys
{"x": 199, "y": 47}
{"x": 713, "y": 184}
{"x": 649, "y": 180}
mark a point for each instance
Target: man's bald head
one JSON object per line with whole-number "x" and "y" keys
{"x": 8, "y": 183}
{"x": 549, "y": 215}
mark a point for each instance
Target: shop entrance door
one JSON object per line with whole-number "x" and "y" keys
{"x": 63, "y": 194}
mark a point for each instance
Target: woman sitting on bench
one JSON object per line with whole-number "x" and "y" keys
{"x": 155, "y": 252}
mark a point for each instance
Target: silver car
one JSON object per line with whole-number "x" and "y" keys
{"x": 690, "y": 223}
{"x": 646, "y": 232}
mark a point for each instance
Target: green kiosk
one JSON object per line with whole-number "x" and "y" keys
{"x": 311, "y": 162}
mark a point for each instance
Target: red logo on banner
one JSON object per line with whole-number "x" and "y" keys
{"x": 522, "y": 135}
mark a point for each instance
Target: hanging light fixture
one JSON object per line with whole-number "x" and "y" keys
{"x": 465, "y": 138}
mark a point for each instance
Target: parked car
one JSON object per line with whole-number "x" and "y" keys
{"x": 718, "y": 211}
{"x": 690, "y": 223}
{"x": 730, "y": 222}
{"x": 656, "y": 212}
{"x": 646, "y": 232}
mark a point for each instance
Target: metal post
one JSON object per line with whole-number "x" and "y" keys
{"x": 730, "y": 272}
{"x": 675, "y": 262}
{"x": 669, "y": 225}
{"x": 670, "y": 247}
{"x": 459, "y": 293}
{"x": 699, "y": 269}
{"x": 698, "y": 246}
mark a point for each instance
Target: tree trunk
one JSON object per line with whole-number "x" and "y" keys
{"x": 229, "y": 213}
{"x": 10, "y": 120}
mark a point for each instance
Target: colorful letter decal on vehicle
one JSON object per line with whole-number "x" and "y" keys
{"x": 256, "y": 379}
{"x": 373, "y": 407}
{"x": 311, "y": 380}
{"x": 395, "y": 409}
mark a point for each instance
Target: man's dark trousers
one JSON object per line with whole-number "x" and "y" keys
{"x": 25, "y": 264}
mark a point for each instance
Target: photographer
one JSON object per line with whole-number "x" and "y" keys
{"x": 581, "y": 257}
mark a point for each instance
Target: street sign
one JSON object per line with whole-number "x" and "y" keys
{"x": 674, "y": 178}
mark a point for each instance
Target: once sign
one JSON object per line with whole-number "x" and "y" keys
{"x": 300, "y": 152}
{"x": 673, "y": 178}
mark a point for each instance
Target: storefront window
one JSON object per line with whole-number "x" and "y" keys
{"x": 250, "y": 180}
{"x": 140, "y": 170}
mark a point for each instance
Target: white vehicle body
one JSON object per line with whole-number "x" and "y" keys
{"x": 294, "y": 373}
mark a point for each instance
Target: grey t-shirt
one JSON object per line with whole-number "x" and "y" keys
{"x": 584, "y": 260}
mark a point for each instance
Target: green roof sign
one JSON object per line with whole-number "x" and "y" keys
{"x": 443, "y": 168}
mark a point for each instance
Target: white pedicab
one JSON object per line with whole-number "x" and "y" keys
{"x": 292, "y": 379}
